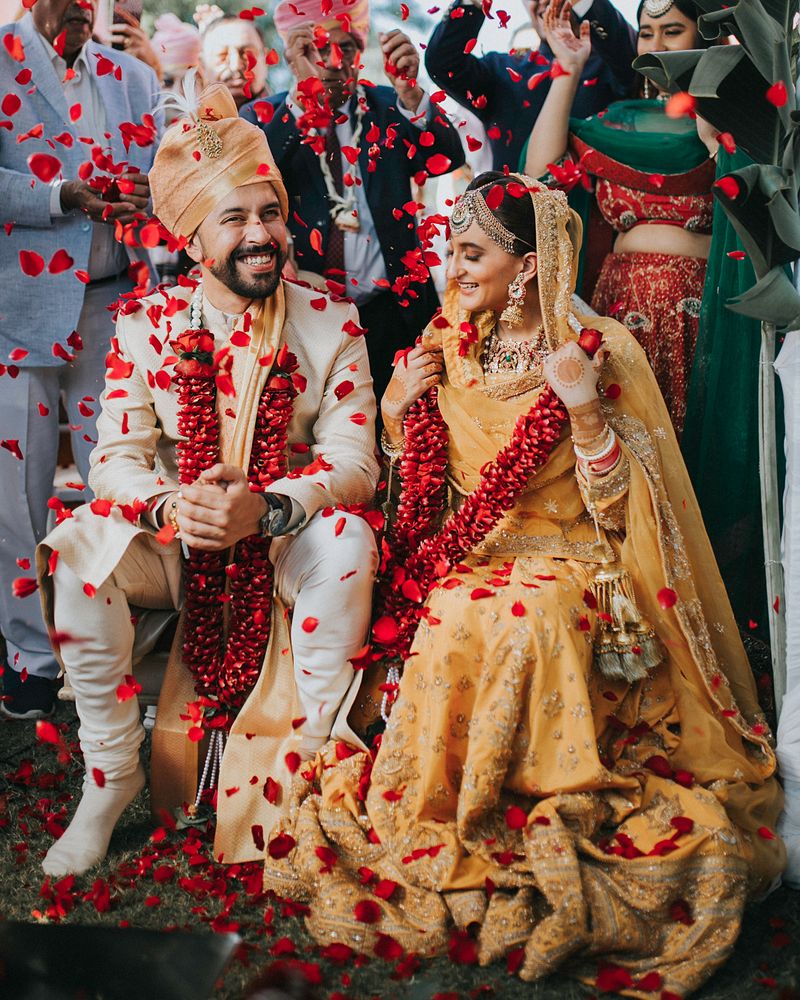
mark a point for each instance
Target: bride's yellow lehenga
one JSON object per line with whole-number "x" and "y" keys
{"x": 520, "y": 797}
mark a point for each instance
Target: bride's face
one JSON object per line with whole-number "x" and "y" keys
{"x": 481, "y": 269}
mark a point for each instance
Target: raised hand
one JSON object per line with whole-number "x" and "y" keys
{"x": 302, "y": 54}
{"x": 573, "y": 375}
{"x": 401, "y": 62}
{"x": 572, "y": 52}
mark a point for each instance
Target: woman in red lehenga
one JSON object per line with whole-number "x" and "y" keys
{"x": 651, "y": 179}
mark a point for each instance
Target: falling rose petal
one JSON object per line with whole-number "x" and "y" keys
{"x": 516, "y": 818}
{"x": 359, "y": 419}
{"x": 12, "y": 445}
{"x": 462, "y": 949}
{"x": 47, "y": 732}
{"x": 19, "y": 354}
{"x": 667, "y": 598}
{"x": 385, "y": 889}
{"x": 613, "y": 391}
{"x": 729, "y": 186}
{"x": 281, "y": 845}
{"x": 24, "y": 586}
{"x": 727, "y": 142}
{"x": 649, "y": 983}
{"x": 10, "y": 105}
{"x": 367, "y": 911}
{"x": 776, "y": 95}
{"x": 44, "y": 166}
{"x": 31, "y": 263}
{"x": 514, "y": 960}
{"x": 518, "y": 609}
{"x": 680, "y": 105}
{"x": 343, "y": 389}
{"x": 765, "y": 833}
{"x": 315, "y": 238}
{"x": 309, "y": 624}
{"x": 479, "y": 593}
{"x": 272, "y": 791}
{"x": 99, "y": 777}
{"x": 60, "y": 261}
{"x": 292, "y": 761}
{"x": 612, "y": 978}
{"x": 438, "y": 164}
{"x": 320, "y": 304}
{"x": 385, "y": 630}
{"x": 102, "y": 508}
{"x": 657, "y": 180}
{"x": 494, "y": 199}
{"x": 298, "y": 722}
{"x": 165, "y": 534}
{"x": 387, "y": 948}
{"x": 736, "y": 254}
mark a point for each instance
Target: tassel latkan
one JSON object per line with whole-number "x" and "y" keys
{"x": 626, "y": 646}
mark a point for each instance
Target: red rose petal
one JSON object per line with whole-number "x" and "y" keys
{"x": 438, "y": 164}
{"x": 776, "y": 95}
{"x": 679, "y": 105}
{"x": 309, "y": 624}
{"x": 367, "y": 911}
{"x": 516, "y": 818}
{"x": 281, "y": 845}
{"x": 44, "y": 166}
{"x": 31, "y": 263}
{"x": 667, "y": 598}
{"x": 99, "y": 777}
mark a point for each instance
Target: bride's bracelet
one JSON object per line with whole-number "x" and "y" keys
{"x": 605, "y": 450}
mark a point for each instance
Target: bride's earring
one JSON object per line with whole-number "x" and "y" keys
{"x": 649, "y": 91}
{"x": 512, "y": 314}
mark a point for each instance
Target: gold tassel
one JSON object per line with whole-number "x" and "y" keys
{"x": 626, "y": 646}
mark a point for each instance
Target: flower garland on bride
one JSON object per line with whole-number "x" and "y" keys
{"x": 415, "y": 557}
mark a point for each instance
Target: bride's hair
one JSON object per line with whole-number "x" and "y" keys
{"x": 514, "y": 212}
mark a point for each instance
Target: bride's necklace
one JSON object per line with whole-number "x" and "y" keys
{"x": 517, "y": 356}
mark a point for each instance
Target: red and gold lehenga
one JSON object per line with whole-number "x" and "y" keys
{"x": 645, "y": 169}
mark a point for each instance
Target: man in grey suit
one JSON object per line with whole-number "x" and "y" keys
{"x": 75, "y": 146}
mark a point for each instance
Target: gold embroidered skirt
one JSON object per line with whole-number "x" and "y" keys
{"x": 521, "y": 805}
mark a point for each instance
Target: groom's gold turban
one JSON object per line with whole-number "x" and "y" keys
{"x": 205, "y": 156}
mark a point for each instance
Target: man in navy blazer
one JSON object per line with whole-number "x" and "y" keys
{"x": 495, "y": 86}
{"x": 385, "y": 137}
{"x": 75, "y": 113}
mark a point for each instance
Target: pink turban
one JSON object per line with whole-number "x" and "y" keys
{"x": 351, "y": 15}
{"x": 176, "y": 43}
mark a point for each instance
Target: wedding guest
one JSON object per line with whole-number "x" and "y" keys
{"x": 651, "y": 178}
{"x": 506, "y": 90}
{"x": 232, "y": 52}
{"x": 61, "y": 268}
{"x": 349, "y": 153}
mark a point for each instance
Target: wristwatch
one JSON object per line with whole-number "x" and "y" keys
{"x": 275, "y": 518}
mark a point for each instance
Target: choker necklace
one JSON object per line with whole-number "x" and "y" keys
{"x": 518, "y": 356}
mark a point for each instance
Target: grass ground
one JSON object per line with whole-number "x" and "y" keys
{"x": 166, "y": 879}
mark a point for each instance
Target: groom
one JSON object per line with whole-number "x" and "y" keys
{"x": 214, "y": 182}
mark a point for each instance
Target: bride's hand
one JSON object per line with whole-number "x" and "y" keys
{"x": 573, "y": 375}
{"x": 413, "y": 375}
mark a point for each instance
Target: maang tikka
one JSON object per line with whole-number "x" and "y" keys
{"x": 512, "y": 314}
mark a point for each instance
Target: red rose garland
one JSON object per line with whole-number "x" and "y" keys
{"x": 415, "y": 557}
{"x": 226, "y": 671}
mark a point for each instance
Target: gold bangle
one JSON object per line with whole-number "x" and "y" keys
{"x": 390, "y": 450}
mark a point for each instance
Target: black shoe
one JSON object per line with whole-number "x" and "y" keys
{"x": 32, "y": 698}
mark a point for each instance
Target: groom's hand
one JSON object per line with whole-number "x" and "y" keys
{"x": 218, "y": 509}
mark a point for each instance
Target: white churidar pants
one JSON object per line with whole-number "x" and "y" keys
{"x": 321, "y": 574}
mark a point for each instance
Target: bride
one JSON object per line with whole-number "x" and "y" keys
{"x": 574, "y": 771}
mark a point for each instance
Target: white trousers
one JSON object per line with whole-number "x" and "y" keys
{"x": 321, "y": 574}
{"x": 29, "y": 415}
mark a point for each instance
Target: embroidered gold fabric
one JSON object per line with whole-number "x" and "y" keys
{"x": 499, "y": 706}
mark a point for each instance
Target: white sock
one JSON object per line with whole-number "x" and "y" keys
{"x": 85, "y": 841}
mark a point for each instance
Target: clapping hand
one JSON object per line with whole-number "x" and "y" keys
{"x": 571, "y": 51}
